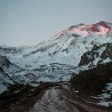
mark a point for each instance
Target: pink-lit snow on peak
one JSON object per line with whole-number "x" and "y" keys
{"x": 93, "y": 28}
{"x": 100, "y": 29}
{"x": 104, "y": 28}
{"x": 60, "y": 33}
{"x": 80, "y": 31}
{"x": 103, "y": 24}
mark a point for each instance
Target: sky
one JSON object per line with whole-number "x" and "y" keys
{"x": 28, "y": 22}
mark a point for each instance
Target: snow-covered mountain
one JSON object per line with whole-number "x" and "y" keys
{"x": 63, "y": 48}
{"x": 57, "y": 58}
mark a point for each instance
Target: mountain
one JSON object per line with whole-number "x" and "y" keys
{"x": 68, "y": 72}
{"x": 77, "y": 48}
{"x": 71, "y": 44}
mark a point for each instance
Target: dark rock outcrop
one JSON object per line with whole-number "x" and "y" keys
{"x": 97, "y": 55}
{"x": 4, "y": 62}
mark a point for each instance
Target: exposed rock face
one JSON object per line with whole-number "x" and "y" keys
{"x": 7, "y": 69}
{"x": 98, "y": 55}
{"x": 107, "y": 53}
{"x": 4, "y": 62}
{"x": 5, "y": 81}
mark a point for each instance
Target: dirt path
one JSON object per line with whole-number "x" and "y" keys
{"x": 62, "y": 99}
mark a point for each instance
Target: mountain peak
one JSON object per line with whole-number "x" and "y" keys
{"x": 99, "y": 29}
{"x": 104, "y": 24}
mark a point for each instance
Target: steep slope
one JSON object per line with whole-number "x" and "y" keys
{"x": 7, "y": 69}
{"x": 96, "y": 83}
{"x": 17, "y": 73}
{"x": 8, "y": 66}
{"x": 71, "y": 44}
{"x": 5, "y": 81}
{"x": 98, "y": 55}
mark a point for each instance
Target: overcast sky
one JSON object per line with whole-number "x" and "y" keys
{"x": 28, "y": 22}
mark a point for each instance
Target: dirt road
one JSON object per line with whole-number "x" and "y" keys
{"x": 63, "y": 99}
